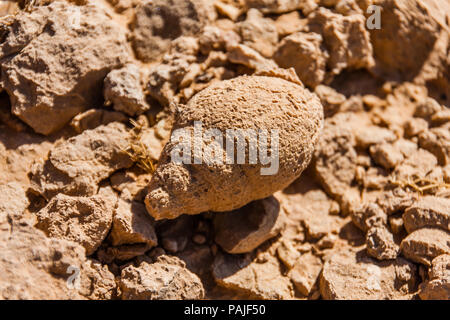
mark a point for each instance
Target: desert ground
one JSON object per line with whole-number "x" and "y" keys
{"x": 351, "y": 200}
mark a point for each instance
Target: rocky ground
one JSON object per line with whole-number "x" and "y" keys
{"x": 89, "y": 94}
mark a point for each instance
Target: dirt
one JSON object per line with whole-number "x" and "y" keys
{"x": 92, "y": 205}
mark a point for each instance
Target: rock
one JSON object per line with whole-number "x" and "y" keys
{"x": 405, "y": 40}
{"x": 373, "y": 135}
{"x": 280, "y": 6}
{"x": 166, "y": 279}
{"x": 13, "y": 200}
{"x": 246, "y": 56}
{"x": 423, "y": 245}
{"x": 396, "y": 200}
{"x": 426, "y": 108}
{"x": 131, "y": 184}
{"x": 84, "y": 220}
{"x": 157, "y": 23}
{"x": 172, "y": 185}
{"x": 122, "y": 88}
{"x": 76, "y": 166}
{"x": 289, "y": 23}
{"x": 227, "y": 10}
{"x": 214, "y": 38}
{"x": 305, "y": 53}
{"x": 415, "y": 126}
{"x": 94, "y": 118}
{"x": 437, "y": 141}
{"x": 287, "y": 253}
{"x": 335, "y": 159}
{"x": 368, "y": 215}
{"x": 417, "y": 165}
{"x": 438, "y": 286}
{"x": 380, "y": 244}
{"x": 259, "y": 33}
{"x": 63, "y": 66}
{"x": 346, "y": 39}
{"x": 428, "y": 211}
{"x": 386, "y": 155}
{"x": 305, "y": 273}
{"x": 330, "y": 98}
{"x": 35, "y": 267}
{"x": 131, "y": 224}
{"x": 353, "y": 275}
{"x": 244, "y": 229}
{"x": 253, "y": 279}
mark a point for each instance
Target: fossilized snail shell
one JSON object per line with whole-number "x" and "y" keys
{"x": 268, "y": 106}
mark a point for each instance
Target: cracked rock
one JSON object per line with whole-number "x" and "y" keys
{"x": 51, "y": 69}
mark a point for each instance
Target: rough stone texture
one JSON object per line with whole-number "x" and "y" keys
{"x": 437, "y": 141}
{"x": 438, "y": 285}
{"x": 243, "y": 230}
{"x": 354, "y": 276}
{"x": 428, "y": 211}
{"x": 94, "y": 118}
{"x": 368, "y": 215}
{"x": 373, "y": 135}
{"x": 13, "y": 200}
{"x": 132, "y": 224}
{"x": 156, "y": 23}
{"x": 240, "y": 103}
{"x": 335, "y": 159}
{"x": 406, "y": 38}
{"x": 305, "y": 53}
{"x": 280, "y": 6}
{"x": 84, "y": 220}
{"x": 330, "y": 98}
{"x": 259, "y": 280}
{"x": 259, "y": 33}
{"x": 418, "y": 165}
{"x": 380, "y": 244}
{"x": 166, "y": 279}
{"x": 346, "y": 39}
{"x": 76, "y": 166}
{"x": 386, "y": 155}
{"x": 53, "y": 69}
{"x": 123, "y": 88}
{"x": 36, "y": 267}
{"x": 425, "y": 244}
{"x": 305, "y": 273}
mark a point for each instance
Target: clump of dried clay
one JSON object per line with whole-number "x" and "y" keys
{"x": 259, "y": 103}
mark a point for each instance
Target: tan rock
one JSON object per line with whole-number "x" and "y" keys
{"x": 76, "y": 166}
{"x": 287, "y": 253}
{"x": 122, "y": 87}
{"x": 305, "y": 53}
{"x": 345, "y": 37}
{"x": 335, "y": 159}
{"x": 173, "y": 184}
{"x": 423, "y": 245}
{"x": 353, "y": 275}
{"x": 437, "y": 141}
{"x": 58, "y": 86}
{"x": 289, "y": 23}
{"x": 214, "y": 38}
{"x": 386, "y": 155}
{"x": 157, "y": 23}
{"x": 280, "y": 6}
{"x": 428, "y": 211}
{"x": 415, "y": 126}
{"x": 131, "y": 224}
{"x": 245, "y": 229}
{"x": 166, "y": 279}
{"x": 256, "y": 280}
{"x": 36, "y": 267}
{"x": 380, "y": 244}
{"x": 368, "y": 215}
{"x": 330, "y": 98}
{"x": 417, "y": 165}
{"x": 407, "y": 36}
{"x": 373, "y": 135}
{"x": 94, "y": 118}
{"x": 259, "y": 33}
{"x": 438, "y": 286}
{"x": 13, "y": 200}
{"x": 305, "y": 273}
{"x": 84, "y": 220}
